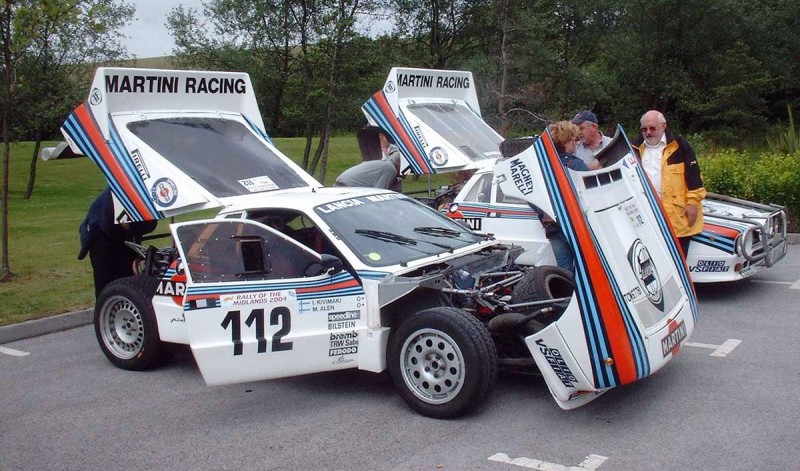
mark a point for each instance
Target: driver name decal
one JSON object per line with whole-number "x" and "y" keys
{"x": 521, "y": 177}
{"x": 645, "y": 270}
{"x": 174, "y": 84}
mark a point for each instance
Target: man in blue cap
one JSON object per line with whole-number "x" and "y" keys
{"x": 591, "y": 140}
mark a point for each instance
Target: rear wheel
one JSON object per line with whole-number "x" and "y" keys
{"x": 125, "y": 324}
{"x": 545, "y": 282}
{"x": 443, "y": 362}
{"x": 540, "y": 284}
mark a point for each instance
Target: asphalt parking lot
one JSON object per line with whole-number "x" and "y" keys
{"x": 729, "y": 401}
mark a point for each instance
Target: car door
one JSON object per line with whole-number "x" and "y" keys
{"x": 258, "y": 305}
{"x": 486, "y": 208}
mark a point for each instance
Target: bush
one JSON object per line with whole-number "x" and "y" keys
{"x": 768, "y": 178}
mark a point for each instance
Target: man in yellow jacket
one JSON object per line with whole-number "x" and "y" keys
{"x": 672, "y": 167}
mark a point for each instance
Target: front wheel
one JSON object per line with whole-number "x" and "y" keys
{"x": 125, "y": 324}
{"x": 443, "y": 362}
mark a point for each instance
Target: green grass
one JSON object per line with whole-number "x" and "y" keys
{"x": 43, "y": 231}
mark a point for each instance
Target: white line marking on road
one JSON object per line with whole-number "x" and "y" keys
{"x": 591, "y": 463}
{"x": 13, "y": 353}
{"x": 792, "y": 284}
{"x": 719, "y": 350}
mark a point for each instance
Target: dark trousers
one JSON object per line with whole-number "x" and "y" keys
{"x": 684, "y": 242}
{"x": 111, "y": 260}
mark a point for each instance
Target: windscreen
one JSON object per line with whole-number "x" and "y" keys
{"x": 461, "y": 127}
{"x": 222, "y": 155}
{"x": 391, "y": 228}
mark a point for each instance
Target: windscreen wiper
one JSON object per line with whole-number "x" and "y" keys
{"x": 386, "y": 236}
{"x": 438, "y": 231}
{"x": 398, "y": 239}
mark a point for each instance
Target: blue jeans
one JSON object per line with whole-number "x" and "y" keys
{"x": 564, "y": 257}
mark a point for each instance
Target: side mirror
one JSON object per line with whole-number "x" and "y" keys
{"x": 327, "y": 263}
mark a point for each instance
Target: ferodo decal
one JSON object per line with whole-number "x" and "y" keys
{"x": 439, "y": 156}
{"x": 164, "y": 192}
{"x": 556, "y": 361}
{"x": 646, "y": 274}
{"x": 710, "y": 266}
{"x": 343, "y": 344}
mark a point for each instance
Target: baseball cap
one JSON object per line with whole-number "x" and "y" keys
{"x": 584, "y": 115}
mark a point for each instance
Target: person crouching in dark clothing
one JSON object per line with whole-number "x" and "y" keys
{"x": 104, "y": 241}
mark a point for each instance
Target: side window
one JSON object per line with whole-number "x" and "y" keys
{"x": 236, "y": 251}
{"x": 503, "y": 198}
{"x": 481, "y": 191}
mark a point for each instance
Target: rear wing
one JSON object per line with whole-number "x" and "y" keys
{"x": 175, "y": 141}
{"x": 434, "y": 119}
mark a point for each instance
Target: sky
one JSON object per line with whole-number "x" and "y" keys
{"x": 147, "y": 35}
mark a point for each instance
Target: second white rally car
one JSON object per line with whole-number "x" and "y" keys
{"x": 292, "y": 278}
{"x": 435, "y": 120}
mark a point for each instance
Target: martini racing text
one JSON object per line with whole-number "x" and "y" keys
{"x": 174, "y": 84}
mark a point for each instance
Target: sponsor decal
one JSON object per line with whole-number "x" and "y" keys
{"x": 172, "y": 287}
{"x": 671, "y": 343}
{"x": 164, "y": 192}
{"x": 632, "y": 210}
{"x": 438, "y": 156}
{"x": 181, "y": 318}
{"x": 432, "y": 81}
{"x": 343, "y": 344}
{"x": 473, "y": 223}
{"x": 344, "y": 316}
{"x": 124, "y": 217}
{"x": 633, "y": 295}
{"x": 710, "y": 266}
{"x": 259, "y": 297}
{"x": 557, "y": 363}
{"x": 646, "y": 274}
{"x": 174, "y": 84}
{"x": 521, "y": 177}
{"x": 389, "y": 88}
{"x": 352, "y": 202}
{"x": 257, "y": 184}
{"x": 342, "y": 360}
{"x": 136, "y": 156}
{"x": 420, "y": 137}
{"x": 96, "y": 97}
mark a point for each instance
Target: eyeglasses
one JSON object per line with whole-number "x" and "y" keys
{"x": 649, "y": 128}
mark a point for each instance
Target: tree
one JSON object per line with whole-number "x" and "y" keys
{"x": 39, "y": 36}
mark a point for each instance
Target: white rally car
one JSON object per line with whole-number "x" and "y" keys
{"x": 293, "y": 278}
{"x": 435, "y": 120}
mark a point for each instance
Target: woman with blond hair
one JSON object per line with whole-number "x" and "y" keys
{"x": 565, "y": 137}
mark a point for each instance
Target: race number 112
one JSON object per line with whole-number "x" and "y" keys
{"x": 278, "y": 316}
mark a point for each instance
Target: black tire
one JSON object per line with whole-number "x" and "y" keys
{"x": 541, "y": 283}
{"x": 442, "y": 362}
{"x": 125, "y": 324}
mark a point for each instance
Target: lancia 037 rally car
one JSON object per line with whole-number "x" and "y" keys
{"x": 435, "y": 120}
{"x": 292, "y": 278}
